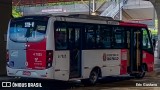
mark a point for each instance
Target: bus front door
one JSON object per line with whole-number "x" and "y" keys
{"x": 75, "y": 52}
{"x": 135, "y": 51}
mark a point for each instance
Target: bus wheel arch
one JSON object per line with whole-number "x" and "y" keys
{"x": 97, "y": 69}
{"x": 93, "y": 77}
{"x": 143, "y": 71}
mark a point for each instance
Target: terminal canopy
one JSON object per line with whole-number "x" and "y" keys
{"x": 35, "y": 2}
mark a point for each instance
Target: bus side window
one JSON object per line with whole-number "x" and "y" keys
{"x": 90, "y": 37}
{"x": 104, "y": 37}
{"x": 99, "y": 38}
{"x": 119, "y": 35}
{"x": 61, "y": 38}
{"x": 146, "y": 42}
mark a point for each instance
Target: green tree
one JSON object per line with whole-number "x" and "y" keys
{"x": 16, "y": 13}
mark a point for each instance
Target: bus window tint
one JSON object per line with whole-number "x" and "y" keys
{"x": 17, "y": 34}
{"x": 31, "y": 30}
{"x": 119, "y": 37}
{"x": 90, "y": 36}
{"x": 146, "y": 42}
{"x": 61, "y": 38}
{"x": 38, "y": 32}
{"x": 103, "y": 37}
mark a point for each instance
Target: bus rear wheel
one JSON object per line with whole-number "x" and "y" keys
{"x": 92, "y": 78}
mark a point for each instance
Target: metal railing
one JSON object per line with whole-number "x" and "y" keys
{"x": 114, "y": 8}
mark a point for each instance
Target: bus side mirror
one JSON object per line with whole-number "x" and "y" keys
{"x": 150, "y": 34}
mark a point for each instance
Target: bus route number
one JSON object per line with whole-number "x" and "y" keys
{"x": 62, "y": 56}
{"x": 29, "y": 24}
{"x": 37, "y": 54}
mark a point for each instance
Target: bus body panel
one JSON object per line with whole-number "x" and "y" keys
{"x": 36, "y": 59}
{"x": 124, "y": 61}
{"x": 123, "y": 68}
{"x": 26, "y": 57}
{"x": 61, "y": 65}
{"x": 15, "y": 45}
{"x": 148, "y": 59}
{"x": 108, "y": 60}
{"x": 50, "y": 34}
{"x": 41, "y": 45}
{"x": 36, "y": 55}
{"x": 17, "y": 59}
{"x": 17, "y": 54}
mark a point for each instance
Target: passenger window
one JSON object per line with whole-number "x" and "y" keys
{"x": 146, "y": 40}
{"x": 61, "y": 38}
{"x": 90, "y": 37}
{"x": 119, "y": 37}
{"x": 103, "y": 37}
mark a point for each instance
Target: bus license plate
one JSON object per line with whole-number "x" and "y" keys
{"x": 27, "y": 73}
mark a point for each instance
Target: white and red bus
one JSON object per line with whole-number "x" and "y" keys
{"x": 77, "y": 47}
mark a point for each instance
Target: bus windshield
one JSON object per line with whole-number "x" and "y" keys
{"x": 27, "y": 30}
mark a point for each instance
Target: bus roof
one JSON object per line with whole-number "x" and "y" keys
{"x": 123, "y": 23}
{"x": 92, "y": 17}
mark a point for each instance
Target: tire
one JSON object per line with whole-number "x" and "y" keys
{"x": 92, "y": 78}
{"x": 142, "y": 73}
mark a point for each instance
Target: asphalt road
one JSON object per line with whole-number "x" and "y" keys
{"x": 109, "y": 83}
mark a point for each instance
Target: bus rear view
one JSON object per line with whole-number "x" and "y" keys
{"x": 77, "y": 47}
{"x": 26, "y": 47}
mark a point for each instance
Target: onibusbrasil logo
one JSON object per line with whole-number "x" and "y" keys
{"x": 14, "y": 84}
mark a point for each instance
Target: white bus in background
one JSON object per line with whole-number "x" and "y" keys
{"x": 156, "y": 57}
{"x": 77, "y": 47}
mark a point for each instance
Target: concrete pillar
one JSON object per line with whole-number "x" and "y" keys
{"x": 156, "y": 4}
{"x": 157, "y": 62}
{"x": 5, "y": 15}
{"x": 93, "y": 6}
{"x": 158, "y": 17}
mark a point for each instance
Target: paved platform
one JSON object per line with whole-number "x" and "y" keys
{"x": 6, "y": 78}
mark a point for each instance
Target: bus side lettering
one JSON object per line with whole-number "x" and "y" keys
{"x": 112, "y": 57}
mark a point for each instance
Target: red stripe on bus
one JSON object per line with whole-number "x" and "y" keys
{"x": 36, "y": 59}
{"x": 132, "y": 24}
{"x": 36, "y": 55}
{"x": 123, "y": 66}
{"x": 41, "y": 45}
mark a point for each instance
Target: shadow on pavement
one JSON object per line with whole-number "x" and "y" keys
{"x": 61, "y": 85}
